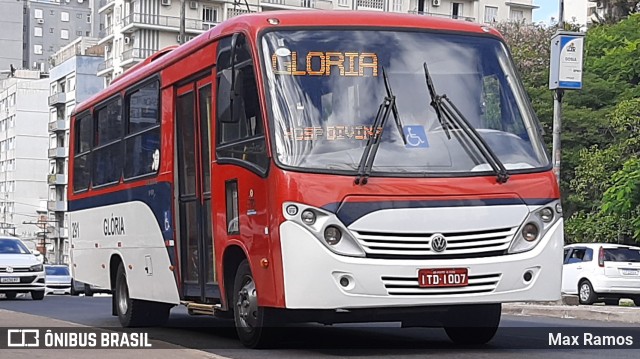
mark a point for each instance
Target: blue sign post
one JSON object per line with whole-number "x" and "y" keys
{"x": 565, "y": 73}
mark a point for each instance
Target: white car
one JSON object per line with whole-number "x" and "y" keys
{"x": 601, "y": 271}
{"x": 58, "y": 280}
{"x": 20, "y": 270}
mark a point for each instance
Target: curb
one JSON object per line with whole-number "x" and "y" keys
{"x": 581, "y": 312}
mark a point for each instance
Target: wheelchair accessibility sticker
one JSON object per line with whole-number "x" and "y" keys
{"x": 416, "y": 137}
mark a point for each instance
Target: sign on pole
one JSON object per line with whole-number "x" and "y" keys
{"x": 565, "y": 70}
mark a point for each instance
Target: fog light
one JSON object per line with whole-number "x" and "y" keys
{"x": 546, "y": 214}
{"x": 530, "y": 232}
{"x": 527, "y": 276}
{"x": 308, "y": 217}
{"x": 332, "y": 235}
{"x": 558, "y": 208}
{"x": 344, "y": 281}
{"x": 292, "y": 210}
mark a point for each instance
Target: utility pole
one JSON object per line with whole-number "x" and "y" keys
{"x": 557, "y": 111}
{"x": 183, "y": 35}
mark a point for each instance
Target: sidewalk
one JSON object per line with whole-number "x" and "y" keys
{"x": 161, "y": 350}
{"x": 609, "y": 313}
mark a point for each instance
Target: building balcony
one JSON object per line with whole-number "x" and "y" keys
{"x": 58, "y": 152}
{"x": 136, "y": 21}
{"x": 58, "y": 125}
{"x": 106, "y": 34}
{"x": 105, "y": 5}
{"x": 297, "y": 4}
{"x": 57, "y": 206}
{"x": 57, "y": 179}
{"x": 450, "y": 16}
{"x": 58, "y": 99}
{"x": 134, "y": 55}
{"x": 105, "y": 68}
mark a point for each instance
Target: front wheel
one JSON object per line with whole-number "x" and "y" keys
{"x": 37, "y": 294}
{"x": 134, "y": 312}
{"x": 88, "y": 292}
{"x": 11, "y": 295}
{"x": 250, "y": 319}
{"x": 473, "y": 324}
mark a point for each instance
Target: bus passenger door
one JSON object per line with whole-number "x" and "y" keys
{"x": 193, "y": 115}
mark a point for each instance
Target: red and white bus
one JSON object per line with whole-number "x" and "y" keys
{"x": 318, "y": 166}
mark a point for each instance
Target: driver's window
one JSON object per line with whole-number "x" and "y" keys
{"x": 239, "y": 120}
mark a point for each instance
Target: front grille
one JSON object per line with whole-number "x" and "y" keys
{"x": 58, "y": 286}
{"x": 472, "y": 244}
{"x": 15, "y": 270}
{"x": 484, "y": 283}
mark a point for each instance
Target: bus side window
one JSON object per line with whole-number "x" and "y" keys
{"x": 240, "y": 131}
{"x": 82, "y": 153}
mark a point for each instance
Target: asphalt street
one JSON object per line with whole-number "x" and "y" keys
{"x": 376, "y": 340}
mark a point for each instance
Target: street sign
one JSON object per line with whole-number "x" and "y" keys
{"x": 565, "y": 70}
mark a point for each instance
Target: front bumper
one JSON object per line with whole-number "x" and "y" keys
{"x": 312, "y": 276}
{"x": 58, "y": 289}
{"x": 28, "y": 281}
{"x": 603, "y": 284}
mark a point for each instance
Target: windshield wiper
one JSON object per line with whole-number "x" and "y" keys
{"x": 446, "y": 110}
{"x": 387, "y": 107}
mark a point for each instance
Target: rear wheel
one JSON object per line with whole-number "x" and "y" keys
{"x": 636, "y": 301}
{"x": 37, "y": 294}
{"x": 11, "y": 295}
{"x": 134, "y": 312}
{"x": 473, "y": 324}
{"x": 586, "y": 295}
{"x": 251, "y": 320}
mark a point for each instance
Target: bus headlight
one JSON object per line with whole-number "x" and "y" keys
{"x": 325, "y": 226}
{"x": 534, "y": 227}
{"x": 332, "y": 235}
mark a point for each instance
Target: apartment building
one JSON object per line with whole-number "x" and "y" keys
{"x": 72, "y": 80}
{"x": 23, "y": 148}
{"x": 136, "y": 29}
{"x": 10, "y": 36}
{"x": 51, "y": 24}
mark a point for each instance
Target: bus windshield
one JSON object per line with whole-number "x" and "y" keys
{"x": 325, "y": 88}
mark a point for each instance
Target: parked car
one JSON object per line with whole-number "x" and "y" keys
{"x": 58, "y": 279}
{"x": 78, "y": 287}
{"x": 602, "y": 271}
{"x": 20, "y": 270}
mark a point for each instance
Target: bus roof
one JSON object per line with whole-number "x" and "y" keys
{"x": 256, "y": 22}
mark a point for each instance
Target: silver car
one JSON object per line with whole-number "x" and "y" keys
{"x": 20, "y": 270}
{"x": 58, "y": 280}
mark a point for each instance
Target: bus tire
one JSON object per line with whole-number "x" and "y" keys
{"x": 88, "y": 292}
{"x": 251, "y": 320}
{"x": 135, "y": 312}
{"x": 473, "y": 324}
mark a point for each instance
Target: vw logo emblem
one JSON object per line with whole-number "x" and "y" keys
{"x": 9, "y": 269}
{"x": 438, "y": 243}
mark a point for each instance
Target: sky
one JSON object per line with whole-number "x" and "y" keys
{"x": 547, "y": 10}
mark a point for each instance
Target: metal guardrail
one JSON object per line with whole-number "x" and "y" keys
{"x": 162, "y": 20}
{"x": 308, "y": 4}
{"x": 450, "y": 16}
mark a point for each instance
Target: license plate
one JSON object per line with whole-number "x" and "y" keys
{"x": 10, "y": 280}
{"x": 445, "y": 277}
{"x": 630, "y": 272}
